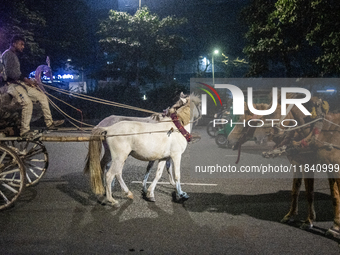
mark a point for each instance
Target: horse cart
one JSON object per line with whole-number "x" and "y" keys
{"x": 23, "y": 162}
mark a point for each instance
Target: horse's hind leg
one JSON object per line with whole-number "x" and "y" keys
{"x": 150, "y": 196}
{"x": 114, "y": 170}
{"x": 125, "y": 189}
{"x": 295, "y": 195}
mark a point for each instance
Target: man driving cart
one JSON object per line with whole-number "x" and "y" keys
{"x": 24, "y": 90}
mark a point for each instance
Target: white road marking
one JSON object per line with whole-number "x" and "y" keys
{"x": 185, "y": 183}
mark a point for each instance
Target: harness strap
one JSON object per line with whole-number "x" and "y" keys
{"x": 180, "y": 127}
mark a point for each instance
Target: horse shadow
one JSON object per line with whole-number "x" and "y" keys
{"x": 260, "y": 206}
{"x": 267, "y": 207}
{"x": 77, "y": 186}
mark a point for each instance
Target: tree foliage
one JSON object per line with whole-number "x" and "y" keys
{"x": 17, "y": 18}
{"x": 300, "y": 36}
{"x": 139, "y": 41}
{"x": 55, "y": 28}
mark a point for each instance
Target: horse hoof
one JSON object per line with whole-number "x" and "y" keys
{"x": 332, "y": 232}
{"x": 129, "y": 195}
{"x": 147, "y": 198}
{"x": 181, "y": 198}
{"x": 101, "y": 200}
{"x": 184, "y": 197}
{"x": 104, "y": 201}
{"x": 150, "y": 199}
{"x": 114, "y": 204}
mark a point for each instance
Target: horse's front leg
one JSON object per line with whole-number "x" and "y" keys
{"x": 181, "y": 195}
{"x": 147, "y": 173}
{"x": 293, "y": 211}
{"x": 150, "y": 195}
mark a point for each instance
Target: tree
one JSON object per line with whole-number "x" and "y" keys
{"x": 17, "y": 18}
{"x": 142, "y": 41}
{"x": 300, "y": 36}
{"x": 325, "y": 35}
{"x": 59, "y": 29}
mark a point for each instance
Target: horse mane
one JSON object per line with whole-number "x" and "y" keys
{"x": 184, "y": 112}
{"x": 195, "y": 99}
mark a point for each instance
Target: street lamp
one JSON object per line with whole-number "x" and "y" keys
{"x": 140, "y": 4}
{"x": 212, "y": 67}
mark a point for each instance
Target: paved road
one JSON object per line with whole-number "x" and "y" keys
{"x": 237, "y": 216}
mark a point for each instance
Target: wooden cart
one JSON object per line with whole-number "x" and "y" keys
{"x": 23, "y": 162}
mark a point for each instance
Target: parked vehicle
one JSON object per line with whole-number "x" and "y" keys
{"x": 221, "y": 136}
{"x": 222, "y": 114}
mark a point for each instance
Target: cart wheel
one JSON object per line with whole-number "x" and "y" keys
{"x": 34, "y": 156}
{"x": 12, "y": 177}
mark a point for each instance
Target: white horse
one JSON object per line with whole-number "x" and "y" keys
{"x": 155, "y": 118}
{"x": 144, "y": 141}
{"x": 106, "y": 159}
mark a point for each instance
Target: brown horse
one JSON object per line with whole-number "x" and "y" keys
{"x": 324, "y": 150}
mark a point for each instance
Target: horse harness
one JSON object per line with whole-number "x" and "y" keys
{"x": 180, "y": 127}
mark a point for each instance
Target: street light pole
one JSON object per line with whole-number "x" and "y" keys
{"x": 212, "y": 67}
{"x": 140, "y": 4}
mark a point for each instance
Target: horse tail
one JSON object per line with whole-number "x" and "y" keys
{"x": 92, "y": 165}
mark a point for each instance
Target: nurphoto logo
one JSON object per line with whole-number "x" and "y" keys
{"x": 238, "y": 99}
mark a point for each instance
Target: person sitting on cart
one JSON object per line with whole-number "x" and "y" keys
{"x": 25, "y": 90}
